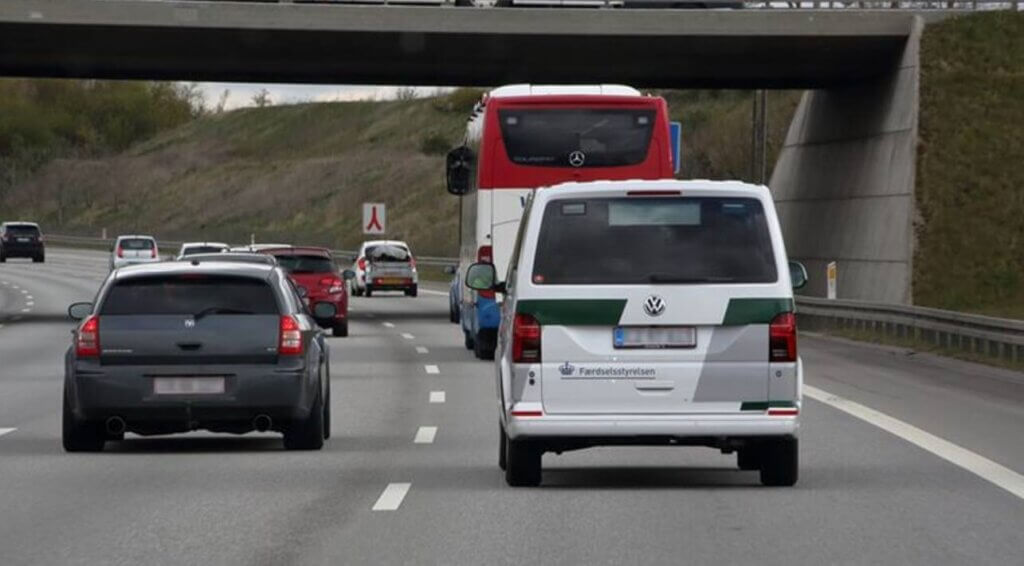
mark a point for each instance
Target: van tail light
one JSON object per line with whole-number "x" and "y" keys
{"x": 87, "y": 343}
{"x": 525, "y": 340}
{"x": 362, "y": 263}
{"x": 120, "y": 251}
{"x": 291, "y": 337}
{"x": 782, "y": 338}
{"x": 152, "y": 252}
{"x": 485, "y": 254}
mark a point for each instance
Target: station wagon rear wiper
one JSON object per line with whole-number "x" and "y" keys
{"x": 218, "y": 310}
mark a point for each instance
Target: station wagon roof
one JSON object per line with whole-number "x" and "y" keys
{"x": 704, "y": 186}
{"x": 258, "y": 270}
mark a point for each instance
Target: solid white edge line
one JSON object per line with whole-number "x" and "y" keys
{"x": 4, "y": 431}
{"x": 437, "y": 397}
{"x": 975, "y": 463}
{"x": 407, "y": 336}
{"x": 432, "y": 292}
{"x": 432, "y": 369}
{"x": 392, "y": 496}
{"x": 425, "y": 435}
{"x": 422, "y": 350}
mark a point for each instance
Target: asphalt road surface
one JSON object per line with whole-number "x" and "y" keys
{"x": 410, "y": 475}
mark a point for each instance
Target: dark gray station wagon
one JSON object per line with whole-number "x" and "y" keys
{"x": 181, "y": 346}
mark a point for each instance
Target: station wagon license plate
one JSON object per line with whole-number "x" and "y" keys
{"x": 654, "y": 337}
{"x": 188, "y": 385}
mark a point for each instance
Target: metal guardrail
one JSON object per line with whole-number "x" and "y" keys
{"x": 988, "y": 336}
{"x": 167, "y": 245}
{"x": 685, "y": 4}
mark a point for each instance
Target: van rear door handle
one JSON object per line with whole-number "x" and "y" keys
{"x": 656, "y": 385}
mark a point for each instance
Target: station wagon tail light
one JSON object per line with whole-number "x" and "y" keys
{"x": 291, "y": 337}
{"x": 412, "y": 263}
{"x": 525, "y": 340}
{"x": 87, "y": 343}
{"x": 782, "y": 338}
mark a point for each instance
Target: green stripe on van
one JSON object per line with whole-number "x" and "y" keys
{"x": 765, "y": 405}
{"x": 574, "y": 312}
{"x": 755, "y": 311}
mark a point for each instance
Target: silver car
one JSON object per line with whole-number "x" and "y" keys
{"x": 134, "y": 249}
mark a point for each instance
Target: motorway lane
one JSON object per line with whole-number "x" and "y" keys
{"x": 864, "y": 496}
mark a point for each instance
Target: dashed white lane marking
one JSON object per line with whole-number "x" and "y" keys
{"x": 388, "y": 324}
{"x": 437, "y": 397}
{"x": 425, "y": 435}
{"x": 432, "y": 369}
{"x": 24, "y": 291}
{"x": 392, "y": 497}
{"x": 407, "y": 336}
{"x": 430, "y": 292}
{"x": 975, "y": 463}
{"x": 30, "y": 303}
{"x": 24, "y": 310}
{"x": 422, "y": 350}
{"x": 29, "y": 297}
{"x": 4, "y": 431}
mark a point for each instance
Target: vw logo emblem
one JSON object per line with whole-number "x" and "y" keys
{"x": 190, "y": 323}
{"x": 577, "y": 158}
{"x": 654, "y": 305}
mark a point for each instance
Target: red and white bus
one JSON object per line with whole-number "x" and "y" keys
{"x": 521, "y": 137}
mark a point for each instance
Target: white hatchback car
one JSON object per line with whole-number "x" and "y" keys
{"x": 193, "y": 248}
{"x": 648, "y": 313}
{"x": 134, "y": 249}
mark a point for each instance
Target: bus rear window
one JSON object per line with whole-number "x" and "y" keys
{"x": 577, "y": 137}
{"x": 653, "y": 241}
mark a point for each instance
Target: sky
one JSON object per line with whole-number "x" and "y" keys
{"x": 241, "y": 94}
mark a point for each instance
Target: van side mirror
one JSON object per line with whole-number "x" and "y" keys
{"x": 459, "y": 168}
{"x": 797, "y": 274}
{"x": 481, "y": 277}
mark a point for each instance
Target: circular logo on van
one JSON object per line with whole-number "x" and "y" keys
{"x": 577, "y": 158}
{"x": 654, "y": 305}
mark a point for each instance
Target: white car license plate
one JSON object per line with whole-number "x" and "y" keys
{"x": 655, "y": 336}
{"x": 188, "y": 385}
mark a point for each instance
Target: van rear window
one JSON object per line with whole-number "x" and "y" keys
{"x": 654, "y": 240}
{"x": 136, "y": 244}
{"x": 190, "y": 294}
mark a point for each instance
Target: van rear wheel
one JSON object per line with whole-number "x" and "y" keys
{"x": 780, "y": 462}
{"x": 523, "y": 463}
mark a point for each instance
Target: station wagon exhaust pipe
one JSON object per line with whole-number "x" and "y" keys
{"x": 262, "y": 423}
{"x": 115, "y": 425}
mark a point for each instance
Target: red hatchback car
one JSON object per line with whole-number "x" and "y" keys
{"x": 314, "y": 270}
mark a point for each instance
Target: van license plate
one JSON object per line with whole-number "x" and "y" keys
{"x": 655, "y": 336}
{"x": 188, "y": 385}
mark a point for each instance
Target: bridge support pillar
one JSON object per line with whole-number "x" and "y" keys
{"x": 844, "y": 182}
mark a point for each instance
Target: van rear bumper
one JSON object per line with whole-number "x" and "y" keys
{"x": 642, "y": 427}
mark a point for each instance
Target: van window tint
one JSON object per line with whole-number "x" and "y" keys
{"x": 136, "y": 244}
{"x": 294, "y": 263}
{"x": 576, "y": 137}
{"x": 22, "y": 230}
{"x": 654, "y": 240}
{"x": 190, "y": 294}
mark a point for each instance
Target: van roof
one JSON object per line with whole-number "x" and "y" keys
{"x": 525, "y": 89}
{"x": 703, "y": 185}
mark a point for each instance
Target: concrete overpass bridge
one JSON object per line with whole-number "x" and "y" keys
{"x": 845, "y": 178}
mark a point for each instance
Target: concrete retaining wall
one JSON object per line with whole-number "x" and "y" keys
{"x": 844, "y": 183}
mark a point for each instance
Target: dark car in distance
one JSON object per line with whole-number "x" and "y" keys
{"x": 180, "y": 346}
{"x": 22, "y": 239}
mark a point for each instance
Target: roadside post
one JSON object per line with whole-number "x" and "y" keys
{"x": 830, "y": 276}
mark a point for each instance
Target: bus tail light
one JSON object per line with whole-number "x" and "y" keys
{"x": 87, "y": 342}
{"x": 526, "y": 339}
{"x": 782, "y": 338}
{"x": 291, "y": 337}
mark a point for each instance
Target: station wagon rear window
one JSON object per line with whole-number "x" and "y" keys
{"x": 295, "y": 263}
{"x": 387, "y": 253}
{"x": 190, "y": 294}
{"x": 576, "y": 137}
{"x": 22, "y": 230}
{"x": 654, "y": 241}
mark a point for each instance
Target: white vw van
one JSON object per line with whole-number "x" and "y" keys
{"x": 648, "y": 313}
